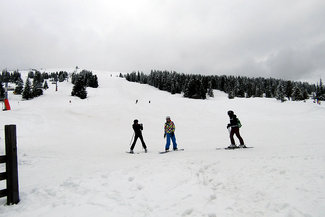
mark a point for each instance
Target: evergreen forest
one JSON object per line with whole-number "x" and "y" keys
{"x": 202, "y": 86}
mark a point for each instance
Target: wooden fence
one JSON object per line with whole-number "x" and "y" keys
{"x": 10, "y": 159}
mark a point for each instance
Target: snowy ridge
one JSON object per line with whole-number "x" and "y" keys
{"x": 72, "y": 159}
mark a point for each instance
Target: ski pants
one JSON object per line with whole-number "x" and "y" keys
{"x": 235, "y": 130}
{"x": 173, "y": 137}
{"x": 135, "y": 140}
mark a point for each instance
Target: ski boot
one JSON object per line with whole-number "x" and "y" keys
{"x": 232, "y": 146}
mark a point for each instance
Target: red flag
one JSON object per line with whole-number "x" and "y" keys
{"x": 7, "y": 105}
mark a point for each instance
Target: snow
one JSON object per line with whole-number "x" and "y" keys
{"x": 72, "y": 159}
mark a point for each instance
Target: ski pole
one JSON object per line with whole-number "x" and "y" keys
{"x": 131, "y": 139}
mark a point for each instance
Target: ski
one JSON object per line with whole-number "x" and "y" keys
{"x": 164, "y": 152}
{"x": 233, "y": 148}
{"x": 143, "y": 152}
{"x": 132, "y": 153}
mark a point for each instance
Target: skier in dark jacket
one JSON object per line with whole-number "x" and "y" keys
{"x": 137, "y": 134}
{"x": 233, "y": 127}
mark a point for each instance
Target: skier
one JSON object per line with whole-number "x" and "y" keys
{"x": 170, "y": 133}
{"x": 233, "y": 127}
{"x": 138, "y": 134}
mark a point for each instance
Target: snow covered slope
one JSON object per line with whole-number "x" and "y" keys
{"x": 72, "y": 159}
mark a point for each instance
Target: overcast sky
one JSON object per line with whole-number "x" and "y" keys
{"x": 277, "y": 38}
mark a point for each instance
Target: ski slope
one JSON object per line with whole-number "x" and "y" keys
{"x": 72, "y": 159}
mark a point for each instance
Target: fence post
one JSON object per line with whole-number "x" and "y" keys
{"x": 11, "y": 165}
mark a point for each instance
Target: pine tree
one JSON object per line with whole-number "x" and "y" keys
{"x": 239, "y": 89}
{"x": 190, "y": 88}
{"x": 249, "y": 90}
{"x": 37, "y": 92}
{"x": 45, "y": 75}
{"x": 268, "y": 92}
{"x": 38, "y": 78}
{"x": 288, "y": 91}
{"x": 173, "y": 88}
{"x": 37, "y": 85}
{"x": 186, "y": 90}
{"x": 19, "y": 86}
{"x": 54, "y": 76}
{"x": 2, "y": 91}
{"x": 210, "y": 90}
{"x": 231, "y": 94}
{"x": 93, "y": 81}
{"x": 5, "y": 76}
{"x": 61, "y": 77}
{"x": 222, "y": 84}
{"x": 178, "y": 86}
{"x": 305, "y": 94}
{"x": 16, "y": 76}
{"x": 79, "y": 89}
{"x": 320, "y": 91}
{"x": 45, "y": 86}
{"x": 297, "y": 94}
{"x": 27, "y": 93}
{"x": 258, "y": 92}
{"x": 31, "y": 74}
{"x": 202, "y": 90}
{"x": 280, "y": 92}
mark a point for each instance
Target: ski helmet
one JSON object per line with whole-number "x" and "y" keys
{"x": 230, "y": 113}
{"x": 135, "y": 121}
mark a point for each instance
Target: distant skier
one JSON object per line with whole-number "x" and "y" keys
{"x": 137, "y": 134}
{"x": 170, "y": 133}
{"x": 233, "y": 127}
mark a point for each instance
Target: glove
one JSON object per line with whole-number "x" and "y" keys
{"x": 228, "y": 126}
{"x": 165, "y": 135}
{"x": 173, "y": 134}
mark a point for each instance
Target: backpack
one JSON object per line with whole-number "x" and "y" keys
{"x": 238, "y": 123}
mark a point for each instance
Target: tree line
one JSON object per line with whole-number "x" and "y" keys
{"x": 34, "y": 84}
{"x": 201, "y": 86}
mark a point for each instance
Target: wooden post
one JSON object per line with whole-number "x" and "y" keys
{"x": 11, "y": 165}
{"x": 3, "y": 176}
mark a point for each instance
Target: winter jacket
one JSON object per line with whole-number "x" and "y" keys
{"x": 169, "y": 127}
{"x": 137, "y": 128}
{"x": 233, "y": 121}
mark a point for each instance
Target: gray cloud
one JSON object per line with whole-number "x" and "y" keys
{"x": 283, "y": 39}
{"x": 298, "y": 63}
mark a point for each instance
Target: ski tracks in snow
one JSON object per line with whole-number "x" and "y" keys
{"x": 170, "y": 186}
{"x": 241, "y": 189}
